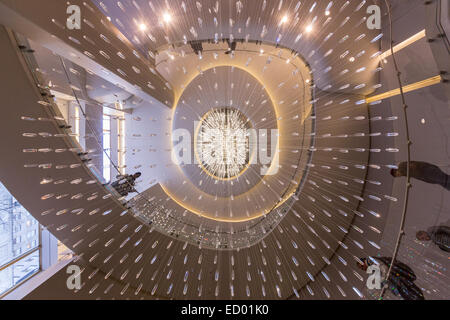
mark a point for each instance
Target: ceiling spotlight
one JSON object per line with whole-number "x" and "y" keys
{"x": 261, "y": 51}
{"x": 284, "y": 19}
{"x": 352, "y": 59}
{"x": 309, "y": 28}
{"x": 167, "y": 17}
{"x": 327, "y": 13}
{"x": 142, "y": 27}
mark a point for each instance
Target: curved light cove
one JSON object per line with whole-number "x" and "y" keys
{"x": 270, "y": 169}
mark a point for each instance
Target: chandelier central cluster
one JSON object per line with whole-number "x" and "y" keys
{"x": 222, "y": 143}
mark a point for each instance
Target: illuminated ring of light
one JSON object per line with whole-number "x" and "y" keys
{"x": 275, "y": 106}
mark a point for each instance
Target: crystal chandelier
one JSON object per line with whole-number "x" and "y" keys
{"x": 222, "y": 143}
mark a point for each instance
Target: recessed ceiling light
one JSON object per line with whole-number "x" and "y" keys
{"x": 309, "y": 28}
{"x": 284, "y": 19}
{"x": 167, "y": 17}
{"x": 142, "y": 27}
{"x": 327, "y": 13}
{"x": 352, "y": 59}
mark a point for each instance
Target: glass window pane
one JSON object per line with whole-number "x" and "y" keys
{"x": 106, "y": 123}
{"x": 19, "y": 271}
{"x": 19, "y": 231}
{"x": 106, "y": 147}
{"x": 106, "y": 141}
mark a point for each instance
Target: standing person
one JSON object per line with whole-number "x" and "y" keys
{"x": 440, "y": 235}
{"x": 423, "y": 171}
{"x": 401, "y": 279}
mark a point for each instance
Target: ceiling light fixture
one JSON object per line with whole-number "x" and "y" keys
{"x": 167, "y": 17}
{"x": 309, "y": 28}
{"x": 222, "y": 143}
{"x": 142, "y": 27}
{"x": 284, "y": 19}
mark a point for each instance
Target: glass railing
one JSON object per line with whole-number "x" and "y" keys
{"x": 76, "y": 99}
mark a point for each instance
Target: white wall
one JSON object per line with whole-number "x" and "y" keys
{"x": 147, "y": 142}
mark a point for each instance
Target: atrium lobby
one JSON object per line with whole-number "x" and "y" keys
{"x": 225, "y": 150}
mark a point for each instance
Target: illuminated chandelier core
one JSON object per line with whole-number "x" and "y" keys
{"x": 222, "y": 143}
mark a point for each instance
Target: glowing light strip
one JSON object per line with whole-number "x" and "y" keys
{"x": 404, "y": 44}
{"x": 202, "y": 214}
{"x": 411, "y": 87}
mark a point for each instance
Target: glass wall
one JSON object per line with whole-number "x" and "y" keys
{"x": 19, "y": 242}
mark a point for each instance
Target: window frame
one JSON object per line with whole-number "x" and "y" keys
{"x": 24, "y": 255}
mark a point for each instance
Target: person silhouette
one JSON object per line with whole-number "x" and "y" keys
{"x": 423, "y": 171}
{"x": 125, "y": 183}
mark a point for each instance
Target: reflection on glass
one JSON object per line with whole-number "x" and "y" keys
{"x": 19, "y": 271}
{"x": 19, "y": 234}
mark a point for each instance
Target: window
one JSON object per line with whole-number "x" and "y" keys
{"x": 19, "y": 242}
{"x": 106, "y": 147}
